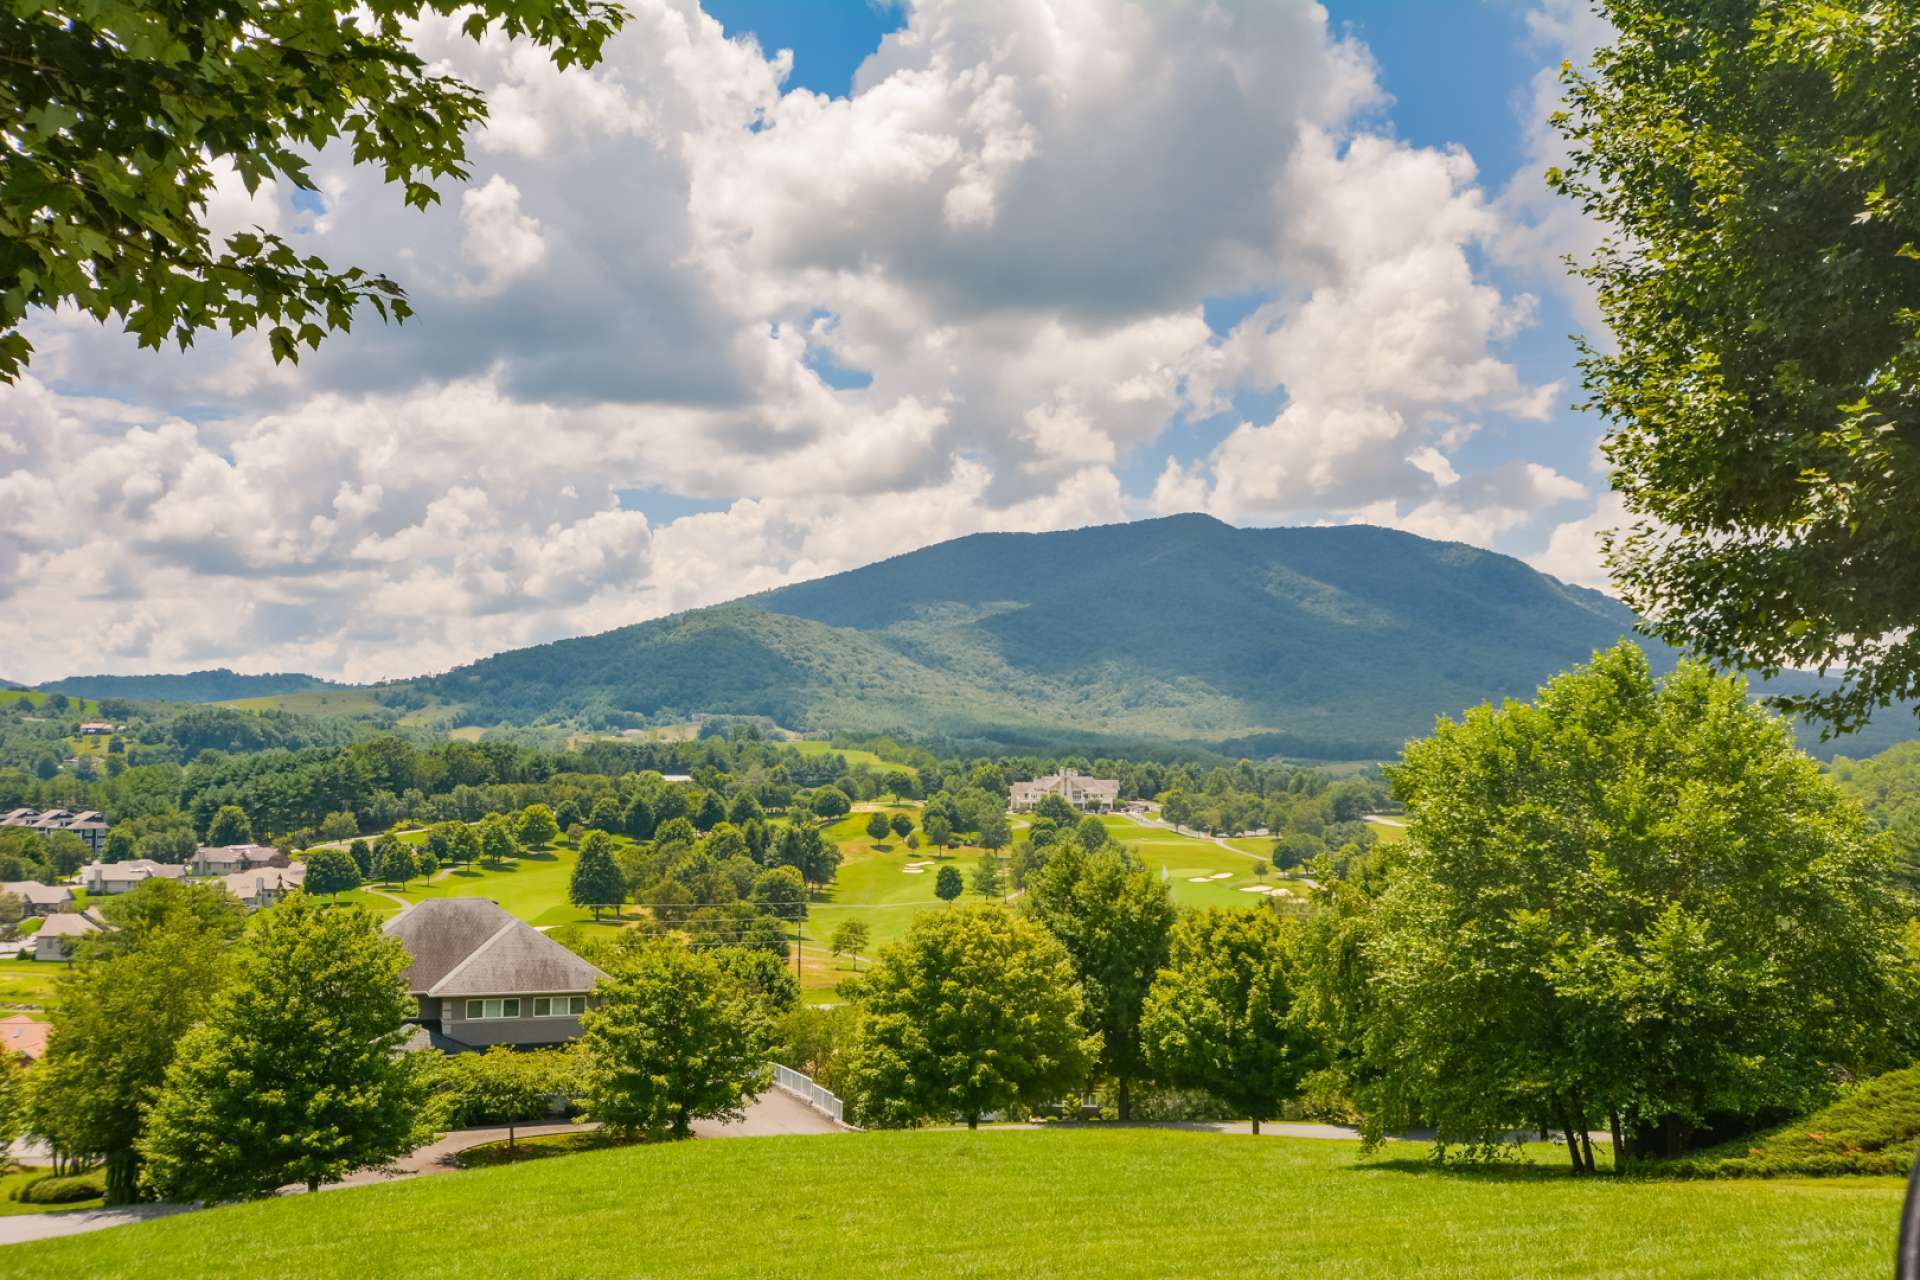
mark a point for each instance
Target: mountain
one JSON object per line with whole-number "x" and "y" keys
{"x": 217, "y": 685}
{"x": 1331, "y": 643}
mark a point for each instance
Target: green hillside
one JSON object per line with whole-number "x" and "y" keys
{"x": 1071, "y": 1202}
{"x": 216, "y": 685}
{"x": 1337, "y": 643}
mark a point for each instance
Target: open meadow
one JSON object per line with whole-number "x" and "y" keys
{"x": 1080, "y": 1201}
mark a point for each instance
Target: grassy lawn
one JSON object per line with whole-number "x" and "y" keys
{"x": 816, "y": 747}
{"x": 1184, "y": 859}
{"x": 1389, "y": 832}
{"x": 28, "y": 983}
{"x": 533, "y": 886}
{"x": 1112, "y": 1203}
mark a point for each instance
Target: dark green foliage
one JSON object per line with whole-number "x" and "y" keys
{"x": 596, "y": 880}
{"x": 215, "y": 685}
{"x": 331, "y": 871}
{"x": 1872, "y": 1129}
{"x": 975, "y": 1011}
{"x": 877, "y": 826}
{"x": 1756, "y": 164}
{"x": 1114, "y": 917}
{"x": 104, "y": 199}
{"x": 229, "y": 826}
{"x": 947, "y": 884}
{"x": 1367, "y": 629}
{"x": 830, "y": 802}
{"x": 902, "y": 825}
{"x": 52, "y": 1189}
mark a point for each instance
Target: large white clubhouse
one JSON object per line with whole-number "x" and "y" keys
{"x": 1090, "y": 795}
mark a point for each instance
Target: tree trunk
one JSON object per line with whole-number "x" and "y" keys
{"x": 1619, "y": 1142}
{"x": 1586, "y": 1143}
{"x": 973, "y": 1122}
{"x": 1573, "y": 1143}
{"x": 313, "y": 1185}
{"x": 1256, "y": 1126}
{"x": 123, "y": 1177}
{"x": 510, "y": 1143}
{"x": 1125, "y": 1100}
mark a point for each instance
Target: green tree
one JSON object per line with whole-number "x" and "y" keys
{"x": 158, "y": 903}
{"x": 850, "y": 938}
{"x": 711, "y": 813}
{"x": 501, "y": 1086}
{"x": 938, "y": 830}
{"x": 105, "y": 199}
{"x": 295, "y": 1074}
{"x": 537, "y": 828}
{"x": 975, "y": 1011}
{"x": 947, "y": 884}
{"x": 878, "y": 828}
{"x": 780, "y": 892}
{"x": 672, "y": 1040}
{"x": 1114, "y": 917}
{"x": 762, "y": 975}
{"x": 1754, "y": 165}
{"x": 463, "y": 843}
{"x": 331, "y": 871}
{"x": 229, "y": 826}
{"x": 393, "y": 862}
{"x": 339, "y": 825}
{"x": 987, "y": 881}
{"x": 1218, "y": 1016}
{"x": 362, "y": 854}
{"x": 497, "y": 843}
{"x": 1056, "y": 808}
{"x": 606, "y": 815}
{"x": 744, "y": 809}
{"x": 639, "y": 818}
{"x": 994, "y": 830}
{"x": 902, "y": 825}
{"x": 830, "y": 803}
{"x": 1091, "y": 833}
{"x": 596, "y": 880}
{"x": 117, "y": 1018}
{"x": 1629, "y": 903}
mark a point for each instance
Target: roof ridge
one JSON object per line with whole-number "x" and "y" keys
{"x": 475, "y": 953}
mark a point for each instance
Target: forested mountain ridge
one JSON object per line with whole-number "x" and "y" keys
{"x": 216, "y": 685}
{"x": 1330, "y": 642}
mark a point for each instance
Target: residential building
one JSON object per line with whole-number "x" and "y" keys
{"x": 263, "y": 886}
{"x": 1089, "y": 795}
{"x": 119, "y": 877}
{"x": 23, "y": 1037}
{"x": 39, "y": 899}
{"x": 85, "y": 823}
{"x": 483, "y": 977}
{"x": 224, "y": 860}
{"x": 97, "y": 728}
{"x": 55, "y": 937}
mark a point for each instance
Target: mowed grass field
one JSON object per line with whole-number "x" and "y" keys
{"x": 26, "y": 985}
{"x": 1059, "y": 1202}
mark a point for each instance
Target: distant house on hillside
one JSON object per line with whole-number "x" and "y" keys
{"x": 483, "y": 977}
{"x": 224, "y": 860}
{"x": 119, "y": 877}
{"x": 85, "y": 823}
{"x": 1090, "y": 795}
{"x": 55, "y": 938}
{"x": 97, "y": 728}
{"x": 39, "y": 899}
{"x": 23, "y": 1037}
{"x": 263, "y": 886}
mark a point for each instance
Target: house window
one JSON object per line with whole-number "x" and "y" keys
{"x": 559, "y": 1006}
{"x": 485, "y": 1010}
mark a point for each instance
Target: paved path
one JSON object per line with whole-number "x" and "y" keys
{"x": 774, "y": 1113}
{"x": 20, "y": 1228}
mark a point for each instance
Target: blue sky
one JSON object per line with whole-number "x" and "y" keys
{"x": 697, "y": 327}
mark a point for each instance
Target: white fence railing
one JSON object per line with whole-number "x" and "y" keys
{"x": 807, "y": 1091}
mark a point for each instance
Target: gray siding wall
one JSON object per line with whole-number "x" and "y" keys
{"x": 525, "y": 1029}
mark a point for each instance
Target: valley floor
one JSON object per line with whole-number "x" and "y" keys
{"x": 1067, "y": 1201}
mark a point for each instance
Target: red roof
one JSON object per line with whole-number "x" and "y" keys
{"x": 22, "y": 1035}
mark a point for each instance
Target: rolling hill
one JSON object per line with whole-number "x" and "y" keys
{"x": 216, "y": 685}
{"x": 1326, "y": 642}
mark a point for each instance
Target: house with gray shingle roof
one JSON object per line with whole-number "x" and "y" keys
{"x": 39, "y": 899}
{"x": 119, "y": 877}
{"x": 224, "y": 860}
{"x": 483, "y": 977}
{"x": 55, "y": 938}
